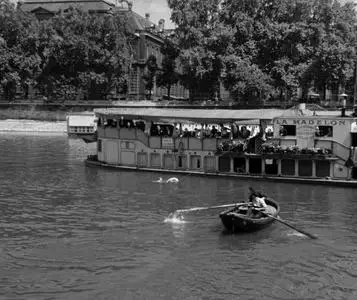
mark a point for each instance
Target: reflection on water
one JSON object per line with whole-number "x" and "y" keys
{"x": 72, "y": 232}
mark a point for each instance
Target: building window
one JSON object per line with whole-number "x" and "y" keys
{"x": 287, "y": 130}
{"x": 324, "y": 131}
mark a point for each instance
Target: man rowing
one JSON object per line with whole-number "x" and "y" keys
{"x": 256, "y": 203}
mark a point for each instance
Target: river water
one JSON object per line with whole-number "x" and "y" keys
{"x": 68, "y": 231}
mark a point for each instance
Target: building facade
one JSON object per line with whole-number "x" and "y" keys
{"x": 148, "y": 39}
{"x": 44, "y": 9}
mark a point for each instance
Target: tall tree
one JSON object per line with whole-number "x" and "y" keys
{"x": 19, "y": 60}
{"x": 82, "y": 51}
{"x": 296, "y": 43}
{"x": 335, "y": 49}
{"x": 167, "y": 74}
{"x": 203, "y": 40}
{"x": 149, "y": 74}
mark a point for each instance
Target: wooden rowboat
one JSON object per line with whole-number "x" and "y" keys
{"x": 236, "y": 219}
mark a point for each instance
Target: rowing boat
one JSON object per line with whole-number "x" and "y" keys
{"x": 237, "y": 219}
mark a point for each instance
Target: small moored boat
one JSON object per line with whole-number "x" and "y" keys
{"x": 236, "y": 219}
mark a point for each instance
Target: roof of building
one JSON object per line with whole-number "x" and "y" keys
{"x": 57, "y": 5}
{"x": 194, "y": 115}
{"x": 81, "y": 120}
{"x": 252, "y": 116}
{"x": 296, "y": 112}
{"x": 136, "y": 22}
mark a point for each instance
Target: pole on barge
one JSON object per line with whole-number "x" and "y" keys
{"x": 355, "y": 85}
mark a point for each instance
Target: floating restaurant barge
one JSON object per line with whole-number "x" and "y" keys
{"x": 81, "y": 124}
{"x": 296, "y": 145}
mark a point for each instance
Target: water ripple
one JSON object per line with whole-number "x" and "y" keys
{"x": 72, "y": 232}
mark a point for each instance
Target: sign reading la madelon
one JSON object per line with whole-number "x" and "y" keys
{"x": 320, "y": 122}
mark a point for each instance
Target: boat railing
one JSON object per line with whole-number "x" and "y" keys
{"x": 340, "y": 150}
{"x": 158, "y": 142}
{"x": 181, "y": 144}
{"x": 142, "y": 137}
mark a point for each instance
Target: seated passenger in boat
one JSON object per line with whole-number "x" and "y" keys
{"x": 176, "y": 133}
{"x": 259, "y": 202}
{"x": 225, "y": 132}
{"x": 214, "y": 131}
{"x": 256, "y": 202}
{"x": 269, "y": 134}
{"x": 244, "y": 132}
{"x": 282, "y": 131}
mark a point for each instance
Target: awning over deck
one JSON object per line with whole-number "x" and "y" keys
{"x": 81, "y": 120}
{"x": 191, "y": 115}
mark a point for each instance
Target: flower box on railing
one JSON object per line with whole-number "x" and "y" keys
{"x": 230, "y": 153}
{"x": 290, "y": 155}
{"x": 294, "y": 150}
{"x": 230, "y": 146}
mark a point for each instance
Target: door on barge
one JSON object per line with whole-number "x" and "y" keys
{"x": 127, "y": 153}
{"x": 111, "y": 151}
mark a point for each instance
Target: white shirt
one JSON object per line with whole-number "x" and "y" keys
{"x": 260, "y": 202}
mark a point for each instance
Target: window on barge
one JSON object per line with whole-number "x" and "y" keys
{"x": 324, "y": 131}
{"x": 287, "y": 130}
{"x": 111, "y": 123}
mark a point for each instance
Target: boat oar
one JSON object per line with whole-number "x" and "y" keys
{"x": 289, "y": 225}
{"x": 210, "y": 207}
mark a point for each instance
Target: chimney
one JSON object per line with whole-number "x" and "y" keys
{"x": 161, "y": 25}
{"x": 147, "y": 16}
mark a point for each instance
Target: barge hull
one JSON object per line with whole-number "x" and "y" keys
{"x": 331, "y": 182}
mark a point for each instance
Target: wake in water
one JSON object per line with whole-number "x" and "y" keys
{"x": 178, "y": 215}
{"x": 175, "y": 218}
{"x": 170, "y": 180}
{"x": 295, "y": 233}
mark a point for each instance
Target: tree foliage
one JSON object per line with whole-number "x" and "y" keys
{"x": 168, "y": 74}
{"x": 203, "y": 40}
{"x": 150, "y": 73}
{"x": 61, "y": 56}
{"x": 253, "y": 47}
{"x": 19, "y": 62}
{"x": 83, "y": 51}
{"x": 266, "y": 46}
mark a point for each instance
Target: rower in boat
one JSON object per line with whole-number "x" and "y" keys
{"x": 258, "y": 212}
{"x": 255, "y": 204}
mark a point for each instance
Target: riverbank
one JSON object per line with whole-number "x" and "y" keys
{"x": 32, "y": 113}
{"x": 38, "y": 110}
{"x": 33, "y": 126}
